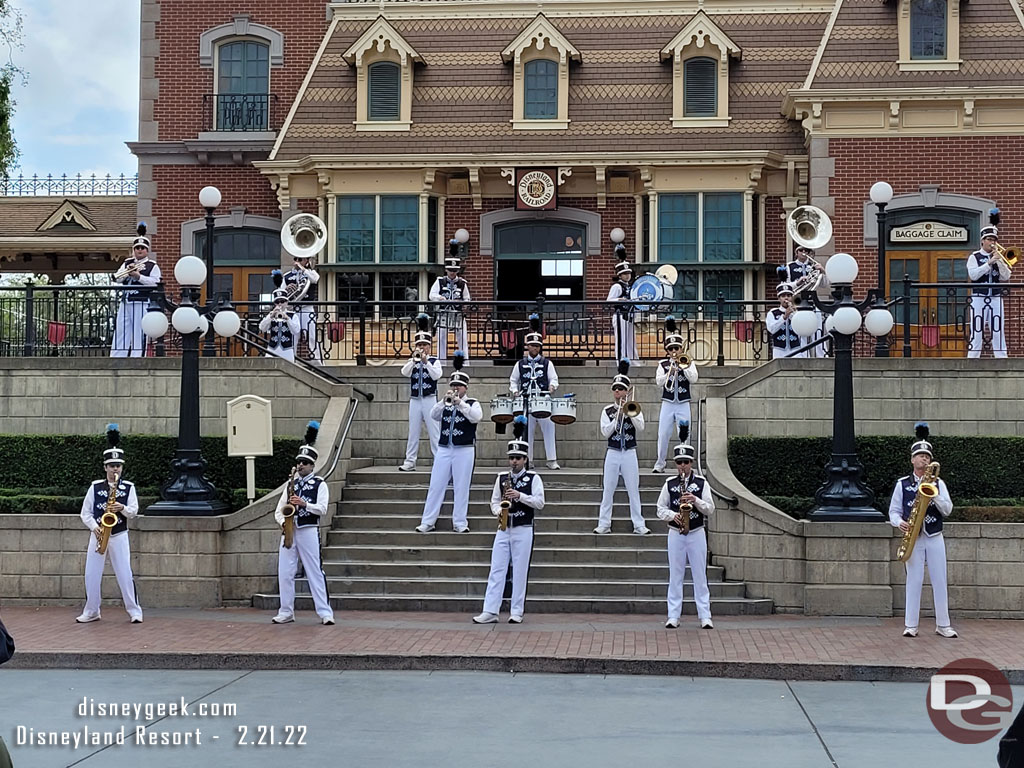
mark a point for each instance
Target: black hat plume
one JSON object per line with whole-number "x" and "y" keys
{"x": 921, "y": 430}
{"x": 624, "y": 366}
{"x": 312, "y": 430}
{"x": 278, "y": 278}
{"x": 535, "y": 322}
{"x": 993, "y": 216}
{"x": 141, "y": 229}
{"x": 670, "y": 324}
{"x": 423, "y": 322}
{"x": 684, "y": 430}
{"x": 519, "y": 427}
{"x": 459, "y": 360}
{"x": 113, "y": 436}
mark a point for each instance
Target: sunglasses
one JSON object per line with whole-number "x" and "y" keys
{"x": 140, "y": 248}
{"x": 683, "y": 461}
{"x": 304, "y": 463}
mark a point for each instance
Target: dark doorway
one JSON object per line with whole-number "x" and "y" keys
{"x": 539, "y": 258}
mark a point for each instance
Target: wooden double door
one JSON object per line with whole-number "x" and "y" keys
{"x": 938, "y": 316}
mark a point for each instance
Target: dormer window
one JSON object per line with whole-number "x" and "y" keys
{"x": 540, "y": 89}
{"x": 700, "y": 87}
{"x": 700, "y": 56}
{"x": 540, "y": 56}
{"x": 927, "y": 29}
{"x": 384, "y": 64}
{"x": 929, "y": 34}
{"x": 384, "y": 91}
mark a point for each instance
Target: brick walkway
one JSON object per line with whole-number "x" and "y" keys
{"x": 776, "y": 647}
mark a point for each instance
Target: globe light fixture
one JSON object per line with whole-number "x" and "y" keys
{"x": 804, "y": 322}
{"x": 881, "y": 192}
{"x": 879, "y": 322}
{"x": 155, "y": 324}
{"x": 461, "y": 236}
{"x": 209, "y": 197}
{"x": 617, "y": 235}
{"x": 841, "y": 269}
{"x": 185, "y": 320}
{"x": 227, "y": 322}
{"x": 190, "y": 271}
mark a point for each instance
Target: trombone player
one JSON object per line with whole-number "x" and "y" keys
{"x": 675, "y": 374}
{"x": 138, "y": 271}
{"x": 621, "y": 422}
{"x": 988, "y": 266}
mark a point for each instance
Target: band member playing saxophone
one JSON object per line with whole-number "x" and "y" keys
{"x": 140, "y": 272}
{"x": 620, "y": 424}
{"x": 281, "y": 327}
{"x": 522, "y": 494}
{"x": 108, "y": 506}
{"x": 423, "y": 370}
{"x": 930, "y": 547}
{"x": 684, "y": 503}
{"x": 674, "y": 375}
{"x": 308, "y": 497}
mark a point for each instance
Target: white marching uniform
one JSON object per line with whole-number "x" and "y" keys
{"x": 622, "y": 461}
{"x": 623, "y": 330}
{"x": 691, "y": 548}
{"x": 305, "y": 547}
{"x": 514, "y": 544}
{"x": 795, "y": 270}
{"x": 672, "y": 410}
{"x": 117, "y": 548}
{"x": 307, "y": 313}
{"x": 129, "y": 340}
{"x": 453, "y": 461}
{"x": 547, "y": 426}
{"x": 986, "y": 303}
{"x": 784, "y": 339}
{"x": 450, "y": 318}
{"x": 422, "y": 399}
{"x": 281, "y": 335}
{"x": 929, "y": 549}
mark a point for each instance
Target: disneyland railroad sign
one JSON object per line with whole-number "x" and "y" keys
{"x": 536, "y": 189}
{"x": 928, "y": 232}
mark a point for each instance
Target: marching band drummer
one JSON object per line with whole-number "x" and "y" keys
{"x": 620, "y": 458}
{"x": 930, "y": 548}
{"x": 456, "y": 452}
{"x": 138, "y": 271}
{"x": 534, "y": 373}
{"x": 675, "y": 391}
{"x": 453, "y": 290}
{"x": 281, "y": 326}
{"x": 309, "y": 497}
{"x": 300, "y": 274}
{"x": 125, "y": 506}
{"x": 423, "y": 370}
{"x": 687, "y": 539}
{"x": 779, "y": 324}
{"x": 985, "y": 267}
{"x": 622, "y": 320}
{"x": 524, "y": 492}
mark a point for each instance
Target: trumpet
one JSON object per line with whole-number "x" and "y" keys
{"x": 130, "y": 266}
{"x": 450, "y": 397}
{"x": 288, "y": 510}
{"x": 418, "y": 356}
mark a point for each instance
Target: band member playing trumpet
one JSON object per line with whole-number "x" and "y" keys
{"x": 138, "y": 271}
{"x": 108, "y": 506}
{"x": 301, "y": 283}
{"x": 930, "y": 547}
{"x": 684, "y": 503}
{"x": 675, "y": 374}
{"x": 281, "y": 327}
{"x": 308, "y": 497}
{"x": 532, "y": 375}
{"x": 453, "y": 290}
{"x": 622, "y": 320}
{"x": 521, "y": 492}
{"x": 779, "y": 324}
{"x": 423, "y": 370}
{"x": 456, "y": 451}
{"x": 986, "y": 266}
{"x": 620, "y": 423}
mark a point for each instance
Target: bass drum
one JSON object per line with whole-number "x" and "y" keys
{"x": 501, "y": 410}
{"x": 563, "y": 409}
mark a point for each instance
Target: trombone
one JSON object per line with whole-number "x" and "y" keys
{"x": 680, "y": 361}
{"x": 1008, "y": 256}
{"x": 629, "y": 409}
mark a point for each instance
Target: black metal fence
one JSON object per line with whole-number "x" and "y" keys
{"x": 240, "y": 112}
{"x": 76, "y": 185}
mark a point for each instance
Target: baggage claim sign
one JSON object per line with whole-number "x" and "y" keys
{"x": 928, "y": 232}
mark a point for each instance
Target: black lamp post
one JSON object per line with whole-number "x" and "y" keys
{"x": 188, "y": 492}
{"x": 209, "y": 198}
{"x": 843, "y": 497}
{"x": 881, "y": 194}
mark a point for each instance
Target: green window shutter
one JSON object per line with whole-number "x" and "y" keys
{"x": 700, "y": 86}
{"x": 385, "y": 91}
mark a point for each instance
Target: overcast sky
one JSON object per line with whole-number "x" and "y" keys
{"x": 81, "y": 102}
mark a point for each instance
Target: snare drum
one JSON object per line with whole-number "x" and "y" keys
{"x": 540, "y": 405}
{"x": 517, "y": 405}
{"x": 563, "y": 409}
{"x": 501, "y": 410}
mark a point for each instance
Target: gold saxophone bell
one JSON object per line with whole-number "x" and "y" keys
{"x": 107, "y": 522}
{"x": 927, "y": 489}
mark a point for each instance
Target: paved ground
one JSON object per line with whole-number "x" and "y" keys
{"x": 768, "y": 647}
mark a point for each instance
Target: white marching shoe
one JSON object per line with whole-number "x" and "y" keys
{"x": 283, "y": 618}
{"x": 553, "y": 465}
{"x": 85, "y": 618}
{"x": 946, "y": 632}
{"x": 672, "y": 624}
{"x": 424, "y": 528}
{"x": 515, "y": 618}
{"x": 486, "y": 618}
{"x": 706, "y": 624}
{"x": 601, "y": 529}
{"x": 911, "y": 631}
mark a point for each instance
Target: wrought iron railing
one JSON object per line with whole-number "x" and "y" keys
{"x": 74, "y": 186}
{"x": 240, "y": 112}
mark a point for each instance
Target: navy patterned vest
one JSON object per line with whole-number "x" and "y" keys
{"x": 280, "y": 335}
{"x": 625, "y": 438}
{"x": 536, "y": 371}
{"x": 520, "y": 514}
{"x": 694, "y": 485}
{"x": 420, "y": 383}
{"x": 140, "y": 292}
{"x": 292, "y": 278}
{"x": 980, "y": 257}
{"x": 624, "y": 308}
{"x": 682, "y": 390}
{"x": 100, "y": 493}
{"x": 796, "y": 270}
{"x": 307, "y": 488}
{"x": 932, "y": 516}
{"x": 785, "y": 337}
{"x": 456, "y": 429}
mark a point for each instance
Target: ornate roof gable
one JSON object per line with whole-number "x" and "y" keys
{"x": 380, "y": 35}
{"x": 69, "y": 212}
{"x": 541, "y": 33}
{"x": 700, "y": 31}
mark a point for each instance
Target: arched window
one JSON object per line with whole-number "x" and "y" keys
{"x": 700, "y": 87}
{"x": 541, "y": 89}
{"x": 385, "y": 91}
{"x": 928, "y": 29}
{"x": 243, "y": 85}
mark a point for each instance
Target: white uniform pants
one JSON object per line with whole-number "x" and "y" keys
{"x": 129, "y": 340}
{"x": 668, "y": 427}
{"x": 930, "y": 551}
{"x": 285, "y": 354}
{"x": 625, "y": 338}
{"x": 690, "y": 549}
{"x": 621, "y": 463}
{"x": 454, "y": 464}
{"x": 120, "y": 558}
{"x": 987, "y": 311}
{"x": 547, "y": 429}
{"x": 419, "y": 412}
{"x": 307, "y": 323}
{"x": 461, "y": 339}
{"x": 515, "y": 545}
{"x": 307, "y": 548}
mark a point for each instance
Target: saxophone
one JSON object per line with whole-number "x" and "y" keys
{"x": 109, "y": 517}
{"x": 684, "y": 512}
{"x": 288, "y": 510}
{"x": 927, "y": 489}
{"x": 506, "y": 505}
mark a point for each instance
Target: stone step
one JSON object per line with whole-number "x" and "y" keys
{"x": 577, "y": 518}
{"x": 369, "y": 497}
{"x": 618, "y": 538}
{"x": 480, "y": 552}
{"x": 388, "y": 476}
{"x": 467, "y": 570}
{"x": 585, "y": 452}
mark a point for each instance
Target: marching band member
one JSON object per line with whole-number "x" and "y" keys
{"x": 140, "y": 271}
{"x": 454, "y": 291}
{"x": 930, "y": 548}
{"x": 687, "y": 540}
{"x": 423, "y": 370}
{"x": 281, "y": 327}
{"x": 523, "y": 491}
{"x": 778, "y": 323}
{"x": 301, "y": 274}
{"x": 456, "y": 451}
{"x": 986, "y": 266}
{"x": 308, "y": 497}
{"x": 675, "y": 384}
{"x": 802, "y": 266}
{"x": 113, "y": 540}
{"x": 622, "y": 320}
{"x": 531, "y": 375}
{"x": 620, "y": 458}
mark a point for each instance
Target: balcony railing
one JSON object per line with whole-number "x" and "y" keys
{"x": 240, "y": 112}
{"x": 69, "y": 186}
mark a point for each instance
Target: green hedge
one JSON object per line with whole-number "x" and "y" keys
{"x": 13, "y": 502}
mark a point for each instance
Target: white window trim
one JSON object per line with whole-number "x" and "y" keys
{"x": 382, "y": 42}
{"x": 540, "y": 40}
{"x": 701, "y": 37}
{"x": 952, "y": 61}
{"x": 421, "y": 218}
